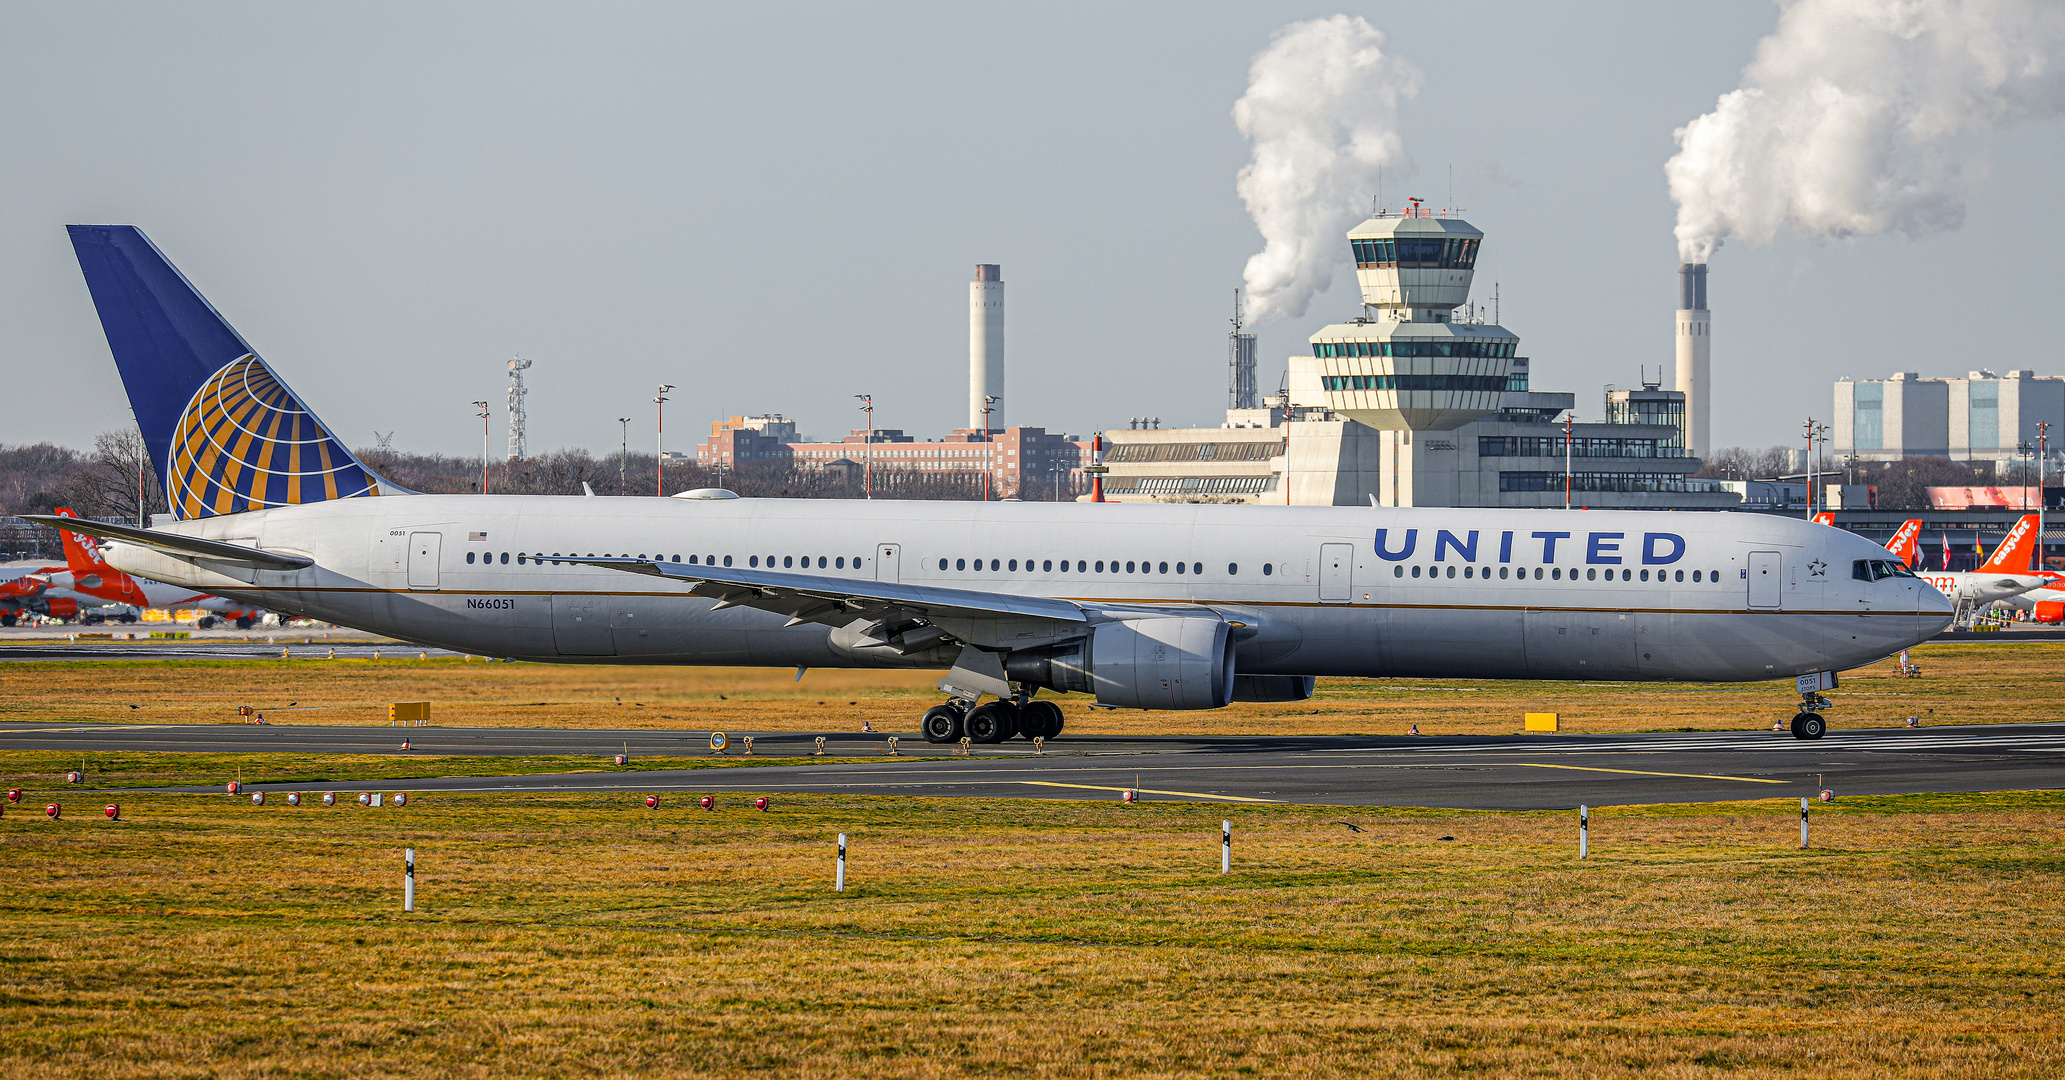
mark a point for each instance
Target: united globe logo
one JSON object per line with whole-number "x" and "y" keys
{"x": 245, "y": 442}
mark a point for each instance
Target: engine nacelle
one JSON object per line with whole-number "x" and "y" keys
{"x": 1184, "y": 662}
{"x": 60, "y": 607}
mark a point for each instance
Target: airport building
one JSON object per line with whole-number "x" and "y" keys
{"x": 1982, "y": 417}
{"x": 1420, "y": 401}
{"x": 1028, "y": 461}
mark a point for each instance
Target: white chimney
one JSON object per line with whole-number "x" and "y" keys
{"x": 986, "y": 345}
{"x": 1695, "y": 357}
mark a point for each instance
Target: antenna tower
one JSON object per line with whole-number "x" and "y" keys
{"x": 383, "y": 443}
{"x": 1240, "y": 362}
{"x": 516, "y": 415}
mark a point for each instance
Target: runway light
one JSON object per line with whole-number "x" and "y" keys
{"x": 652, "y": 802}
{"x": 760, "y": 804}
{"x": 234, "y": 787}
{"x": 620, "y": 760}
{"x": 293, "y": 798}
{"x": 1827, "y": 795}
{"x": 708, "y": 803}
{"x": 329, "y": 798}
{"x": 1129, "y": 796}
{"x": 52, "y": 811}
{"x": 113, "y": 812}
{"x": 14, "y": 795}
{"x": 365, "y": 798}
{"x": 258, "y": 798}
{"x": 74, "y": 776}
{"x": 401, "y": 798}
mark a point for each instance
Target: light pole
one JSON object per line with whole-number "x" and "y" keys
{"x": 1810, "y": 468}
{"x": 867, "y": 454}
{"x": 483, "y": 407}
{"x": 2043, "y": 430}
{"x": 659, "y": 448}
{"x": 1567, "y": 419}
{"x": 623, "y": 455}
{"x": 988, "y": 404}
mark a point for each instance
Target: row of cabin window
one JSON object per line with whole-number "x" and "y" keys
{"x": 1085, "y": 566}
{"x": 1555, "y": 573}
{"x": 788, "y": 561}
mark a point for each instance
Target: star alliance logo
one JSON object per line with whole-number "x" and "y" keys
{"x": 1817, "y": 568}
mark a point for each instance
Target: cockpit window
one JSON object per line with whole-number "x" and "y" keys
{"x": 1878, "y": 569}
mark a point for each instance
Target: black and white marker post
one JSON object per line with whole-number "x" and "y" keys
{"x": 839, "y": 878}
{"x": 1226, "y": 847}
{"x": 1803, "y": 822}
{"x": 408, "y": 879}
{"x": 1584, "y": 832}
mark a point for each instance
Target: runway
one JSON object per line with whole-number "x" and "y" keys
{"x": 1529, "y": 772}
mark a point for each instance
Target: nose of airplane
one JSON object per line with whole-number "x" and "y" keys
{"x": 1934, "y": 609}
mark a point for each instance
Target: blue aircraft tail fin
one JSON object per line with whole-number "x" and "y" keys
{"x": 224, "y": 433}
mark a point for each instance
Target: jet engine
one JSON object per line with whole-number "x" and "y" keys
{"x": 1180, "y": 662}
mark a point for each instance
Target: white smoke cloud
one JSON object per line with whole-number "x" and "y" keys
{"x": 1322, "y": 112}
{"x": 1860, "y": 117}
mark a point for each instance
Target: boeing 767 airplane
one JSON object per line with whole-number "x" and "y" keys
{"x": 1142, "y": 606}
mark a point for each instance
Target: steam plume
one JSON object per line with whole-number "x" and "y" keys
{"x": 1859, "y": 117}
{"x": 1322, "y": 112}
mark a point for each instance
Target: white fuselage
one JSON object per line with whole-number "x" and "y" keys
{"x": 1979, "y": 587}
{"x": 1444, "y": 592}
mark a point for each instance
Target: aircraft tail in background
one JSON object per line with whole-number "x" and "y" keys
{"x": 2017, "y": 553}
{"x": 1907, "y": 542}
{"x": 224, "y": 433}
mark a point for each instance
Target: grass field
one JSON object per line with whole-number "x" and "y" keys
{"x": 1962, "y": 683}
{"x": 587, "y": 936}
{"x": 150, "y": 769}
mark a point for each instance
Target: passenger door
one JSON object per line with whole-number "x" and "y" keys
{"x": 1335, "y": 563}
{"x": 886, "y": 568}
{"x": 580, "y": 625}
{"x": 423, "y": 560}
{"x": 1766, "y": 580}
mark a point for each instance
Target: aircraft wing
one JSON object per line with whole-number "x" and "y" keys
{"x": 840, "y": 601}
{"x": 186, "y": 547}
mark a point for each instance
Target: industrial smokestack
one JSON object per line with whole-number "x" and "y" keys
{"x": 986, "y": 346}
{"x": 1694, "y": 356}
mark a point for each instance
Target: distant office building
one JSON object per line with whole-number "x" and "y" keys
{"x": 1022, "y": 460}
{"x": 1981, "y": 417}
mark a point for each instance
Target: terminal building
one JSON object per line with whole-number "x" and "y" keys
{"x": 1419, "y": 401}
{"x": 1982, "y": 417}
{"x": 1027, "y": 462}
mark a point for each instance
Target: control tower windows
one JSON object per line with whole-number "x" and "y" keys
{"x": 1489, "y": 384}
{"x": 1470, "y": 348}
{"x": 1433, "y": 253}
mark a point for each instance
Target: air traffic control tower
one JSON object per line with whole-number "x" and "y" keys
{"x": 1415, "y": 362}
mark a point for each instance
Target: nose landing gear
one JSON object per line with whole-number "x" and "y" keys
{"x": 1809, "y": 724}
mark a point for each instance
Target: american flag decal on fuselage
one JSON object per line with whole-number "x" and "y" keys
{"x": 245, "y": 442}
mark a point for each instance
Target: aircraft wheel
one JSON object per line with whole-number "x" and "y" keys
{"x": 243, "y": 624}
{"x": 991, "y": 723}
{"x": 1039, "y": 720}
{"x": 205, "y": 624}
{"x": 7, "y": 620}
{"x": 1812, "y": 726}
{"x": 942, "y": 724}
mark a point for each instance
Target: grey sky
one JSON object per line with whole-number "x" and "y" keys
{"x": 779, "y": 207}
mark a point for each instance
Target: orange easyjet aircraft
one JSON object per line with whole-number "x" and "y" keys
{"x": 88, "y": 574}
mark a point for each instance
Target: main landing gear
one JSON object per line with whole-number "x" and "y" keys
{"x": 991, "y": 722}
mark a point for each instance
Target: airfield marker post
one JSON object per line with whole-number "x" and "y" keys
{"x": 408, "y": 879}
{"x": 1584, "y": 832}
{"x": 839, "y": 877}
{"x": 1803, "y": 821}
{"x": 1226, "y": 847}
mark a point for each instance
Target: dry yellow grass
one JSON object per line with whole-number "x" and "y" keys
{"x": 584, "y": 935}
{"x": 1964, "y": 683}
